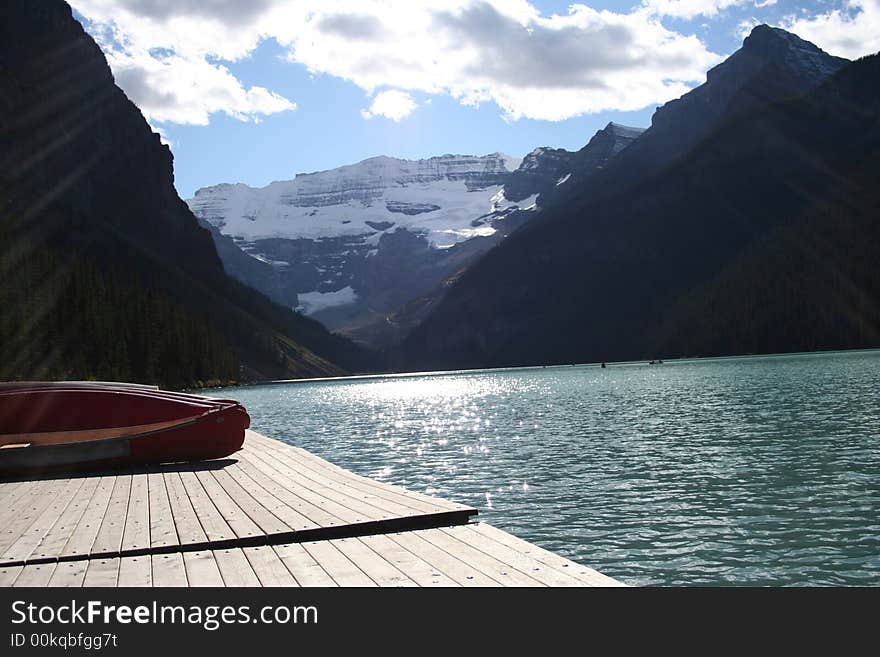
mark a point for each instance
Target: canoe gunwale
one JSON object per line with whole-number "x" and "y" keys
{"x": 64, "y": 438}
{"x": 39, "y": 385}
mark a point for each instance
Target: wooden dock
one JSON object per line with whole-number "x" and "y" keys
{"x": 270, "y": 515}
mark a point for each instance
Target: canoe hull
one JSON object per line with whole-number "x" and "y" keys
{"x": 199, "y": 428}
{"x": 214, "y": 435}
{"x": 80, "y": 407}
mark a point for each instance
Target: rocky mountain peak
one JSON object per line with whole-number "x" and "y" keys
{"x": 623, "y": 131}
{"x": 768, "y": 45}
{"x": 771, "y": 65}
{"x": 542, "y": 156}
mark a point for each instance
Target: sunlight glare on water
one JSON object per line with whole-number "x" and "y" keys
{"x": 719, "y": 471}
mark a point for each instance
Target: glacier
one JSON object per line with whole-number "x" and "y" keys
{"x": 450, "y": 190}
{"x": 366, "y": 248}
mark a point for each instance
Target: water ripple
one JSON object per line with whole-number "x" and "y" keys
{"x": 759, "y": 471}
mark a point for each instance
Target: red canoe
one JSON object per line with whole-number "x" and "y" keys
{"x": 84, "y": 425}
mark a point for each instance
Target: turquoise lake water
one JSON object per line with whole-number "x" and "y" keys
{"x": 734, "y": 471}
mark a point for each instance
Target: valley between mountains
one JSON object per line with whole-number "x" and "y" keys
{"x": 698, "y": 236}
{"x": 744, "y": 219}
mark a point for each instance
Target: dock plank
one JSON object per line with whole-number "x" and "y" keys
{"x": 135, "y": 571}
{"x": 305, "y": 570}
{"x": 511, "y": 558}
{"x": 372, "y": 504}
{"x": 371, "y": 563}
{"x": 8, "y": 574}
{"x": 459, "y": 571}
{"x": 235, "y": 568}
{"x": 163, "y": 531}
{"x": 494, "y": 568}
{"x": 414, "y": 567}
{"x": 186, "y": 521}
{"x": 14, "y": 495}
{"x": 102, "y": 572}
{"x": 202, "y": 569}
{"x": 317, "y": 466}
{"x": 427, "y": 503}
{"x": 315, "y": 514}
{"x": 268, "y": 566}
{"x": 289, "y": 515}
{"x": 136, "y": 535}
{"x": 86, "y": 531}
{"x": 416, "y": 500}
{"x": 109, "y": 537}
{"x": 168, "y": 569}
{"x": 587, "y": 575}
{"x": 266, "y": 521}
{"x": 28, "y": 541}
{"x": 34, "y": 575}
{"x": 35, "y": 501}
{"x": 234, "y": 516}
{"x": 335, "y": 505}
{"x": 69, "y": 574}
{"x": 209, "y": 517}
{"x": 337, "y": 565}
{"x": 56, "y": 538}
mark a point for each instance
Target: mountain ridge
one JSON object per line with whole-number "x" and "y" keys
{"x": 88, "y": 186}
{"x": 752, "y": 76}
{"x": 354, "y": 245}
{"x": 634, "y": 251}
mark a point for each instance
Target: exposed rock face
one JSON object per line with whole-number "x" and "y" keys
{"x": 771, "y": 64}
{"x": 540, "y": 170}
{"x": 360, "y": 242}
{"x": 406, "y": 208}
{"x": 257, "y": 273}
{"x": 604, "y": 145}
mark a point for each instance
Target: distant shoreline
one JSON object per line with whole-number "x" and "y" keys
{"x": 626, "y": 363}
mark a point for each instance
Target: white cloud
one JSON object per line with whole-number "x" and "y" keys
{"x": 167, "y": 62}
{"x": 391, "y": 104}
{"x": 688, "y": 9}
{"x": 531, "y": 66}
{"x": 745, "y": 27}
{"x": 166, "y": 54}
{"x": 188, "y": 90}
{"x": 850, "y": 32}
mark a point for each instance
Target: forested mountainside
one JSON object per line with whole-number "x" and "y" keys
{"x": 760, "y": 237}
{"x": 106, "y": 273}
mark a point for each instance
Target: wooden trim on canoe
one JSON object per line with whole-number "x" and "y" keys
{"x": 65, "y": 437}
{"x": 79, "y": 384}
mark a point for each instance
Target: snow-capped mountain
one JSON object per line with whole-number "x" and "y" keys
{"x": 352, "y": 245}
{"x": 438, "y": 198}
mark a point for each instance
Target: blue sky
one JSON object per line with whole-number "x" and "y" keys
{"x": 258, "y": 91}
